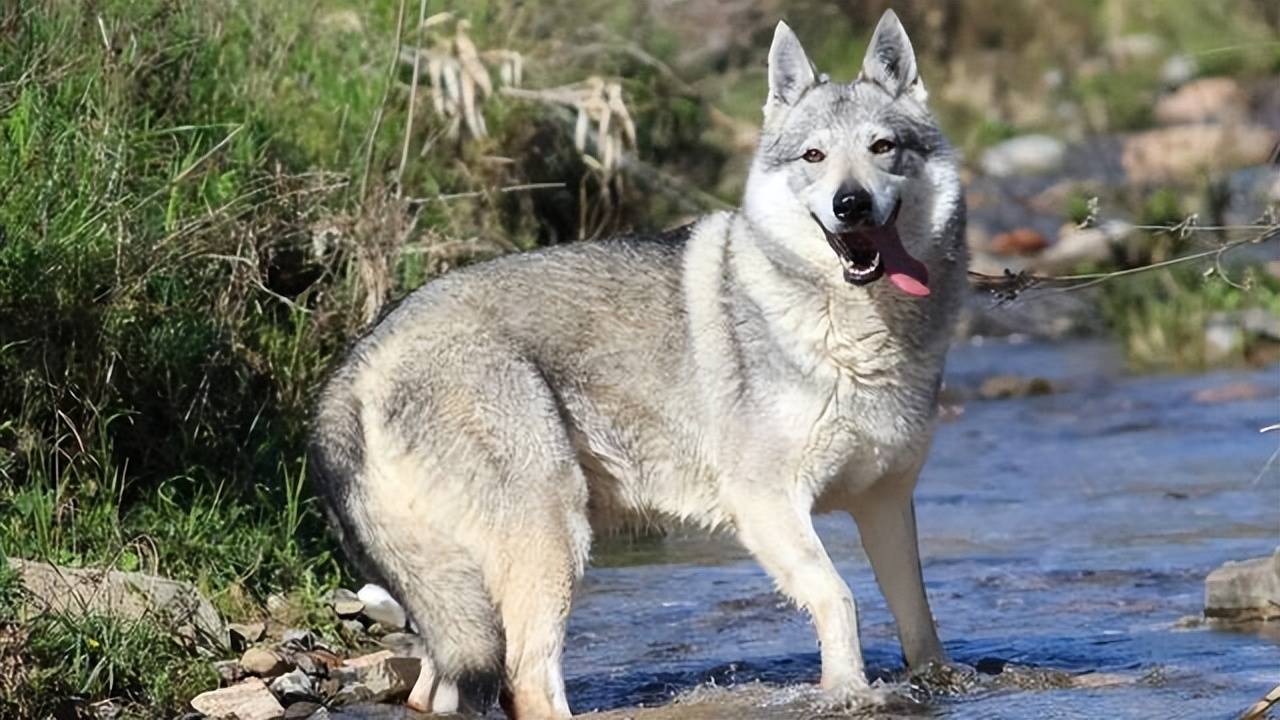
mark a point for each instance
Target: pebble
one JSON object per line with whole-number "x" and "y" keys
{"x": 263, "y": 662}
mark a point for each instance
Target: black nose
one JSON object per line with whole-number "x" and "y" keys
{"x": 852, "y": 206}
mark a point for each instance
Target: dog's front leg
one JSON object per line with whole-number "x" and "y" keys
{"x": 778, "y": 530}
{"x": 886, "y": 518}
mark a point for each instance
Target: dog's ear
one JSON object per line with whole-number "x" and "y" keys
{"x": 891, "y": 62}
{"x": 790, "y": 72}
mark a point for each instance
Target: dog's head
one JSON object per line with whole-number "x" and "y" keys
{"x": 857, "y": 168}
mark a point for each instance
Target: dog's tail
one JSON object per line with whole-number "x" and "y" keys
{"x": 438, "y": 582}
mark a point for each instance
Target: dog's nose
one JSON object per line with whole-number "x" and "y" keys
{"x": 852, "y": 206}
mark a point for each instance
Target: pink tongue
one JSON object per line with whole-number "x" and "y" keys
{"x": 907, "y": 273}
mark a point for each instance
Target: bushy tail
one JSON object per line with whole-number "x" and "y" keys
{"x": 437, "y": 581}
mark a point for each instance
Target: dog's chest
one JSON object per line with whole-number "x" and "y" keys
{"x": 837, "y": 427}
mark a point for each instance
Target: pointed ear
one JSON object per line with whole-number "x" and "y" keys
{"x": 891, "y": 62}
{"x": 790, "y": 72}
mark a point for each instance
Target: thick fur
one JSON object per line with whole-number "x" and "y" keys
{"x": 724, "y": 374}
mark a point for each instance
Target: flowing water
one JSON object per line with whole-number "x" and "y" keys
{"x": 1065, "y": 540}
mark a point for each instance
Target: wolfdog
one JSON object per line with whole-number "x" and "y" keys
{"x": 742, "y": 372}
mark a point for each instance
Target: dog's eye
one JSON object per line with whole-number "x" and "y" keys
{"x": 882, "y": 146}
{"x": 814, "y": 155}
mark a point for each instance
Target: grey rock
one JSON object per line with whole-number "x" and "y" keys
{"x": 378, "y": 677}
{"x": 298, "y": 639}
{"x": 294, "y": 686}
{"x": 229, "y": 671}
{"x": 370, "y": 711}
{"x": 242, "y": 635}
{"x": 249, "y": 700}
{"x": 1244, "y": 591}
{"x": 127, "y": 595}
{"x": 1024, "y": 155}
{"x": 302, "y": 710}
{"x": 355, "y": 627}
{"x": 345, "y": 603}
{"x": 402, "y": 643}
{"x": 1178, "y": 69}
{"x": 1077, "y": 246}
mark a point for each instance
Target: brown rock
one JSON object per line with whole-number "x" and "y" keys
{"x": 1231, "y": 392}
{"x": 249, "y": 700}
{"x": 999, "y": 387}
{"x": 1215, "y": 99}
{"x": 1185, "y": 152}
{"x": 1022, "y": 241}
{"x": 262, "y": 662}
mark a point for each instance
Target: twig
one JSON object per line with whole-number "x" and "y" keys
{"x": 386, "y": 92}
{"x": 1009, "y": 285}
{"x": 1259, "y": 709}
{"x": 413, "y": 99}
{"x": 445, "y": 197}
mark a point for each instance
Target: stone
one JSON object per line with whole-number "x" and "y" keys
{"x": 1244, "y": 591}
{"x": 302, "y": 710}
{"x": 353, "y": 627}
{"x": 1184, "y": 153}
{"x": 345, "y": 603}
{"x": 371, "y": 711}
{"x": 1079, "y": 246}
{"x": 379, "y": 605}
{"x": 229, "y": 671}
{"x": 1024, "y": 155}
{"x": 242, "y": 635}
{"x": 1231, "y": 392}
{"x": 249, "y": 700}
{"x": 377, "y": 677}
{"x": 1215, "y": 99}
{"x": 999, "y": 387}
{"x": 299, "y": 639}
{"x": 293, "y": 686}
{"x": 125, "y": 595}
{"x": 1178, "y": 69}
{"x": 1020, "y": 241}
{"x": 263, "y": 662}
{"x": 401, "y": 643}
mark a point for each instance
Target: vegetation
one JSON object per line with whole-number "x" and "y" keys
{"x": 201, "y": 203}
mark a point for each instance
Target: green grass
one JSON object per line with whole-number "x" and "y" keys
{"x": 1161, "y": 317}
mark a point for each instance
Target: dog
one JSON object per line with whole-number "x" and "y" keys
{"x": 742, "y": 372}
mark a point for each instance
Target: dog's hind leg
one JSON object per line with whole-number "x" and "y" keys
{"x": 545, "y": 565}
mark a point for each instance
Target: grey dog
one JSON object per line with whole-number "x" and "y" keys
{"x": 742, "y": 372}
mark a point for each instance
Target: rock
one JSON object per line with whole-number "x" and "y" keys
{"x": 302, "y": 710}
{"x": 300, "y": 640}
{"x": 354, "y": 627}
{"x": 1022, "y": 241}
{"x": 1232, "y": 392}
{"x": 229, "y": 671}
{"x": 1185, "y": 152}
{"x": 1078, "y": 246}
{"x": 242, "y": 635}
{"x": 1252, "y": 192}
{"x": 1178, "y": 69}
{"x": 999, "y": 387}
{"x": 1025, "y": 155}
{"x": 126, "y": 595}
{"x": 379, "y": 605}
{"x": 1258, "y": 321}
{"x": 401, "y": 643}
{"x": 345, "y": 603}
{"x": 294, "y": 686}
{"x": 1216, "y": 99}
{"x": 370, "y": 711}
{"x": 263, "y": 662}
{"x": 1244, "y": 591}
{"x": 1223, "y": 337}
{"x": 377, "y": 677}
{"x": 317, "y": 662}
{"x": 249, "y": 700}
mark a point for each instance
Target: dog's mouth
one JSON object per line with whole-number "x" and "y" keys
{"x": 870, "y": 252}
